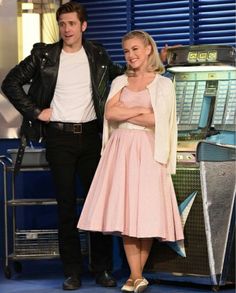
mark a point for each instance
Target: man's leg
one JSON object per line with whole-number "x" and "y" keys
{"x": 101, "y": 245}
{"x": 61, "y": 152}
{"x": 69, "y": 242}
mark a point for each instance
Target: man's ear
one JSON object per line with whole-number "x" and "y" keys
{"x": 84, "y": 26}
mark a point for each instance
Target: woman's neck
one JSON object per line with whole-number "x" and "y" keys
{"x": 139, "y": 73}
{"x": 140, "y": 81}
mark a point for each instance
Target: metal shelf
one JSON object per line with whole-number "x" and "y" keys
{"x": 28, "y": 168}
{"x": 28, "y": 244}
{"x": 13, "y": 256}
{"x": 36, "y": 201}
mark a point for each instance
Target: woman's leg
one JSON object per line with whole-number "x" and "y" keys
{"x": 146, "y": 245}
{"x": 132, "y": 247}
{"x": 137, "y": 252}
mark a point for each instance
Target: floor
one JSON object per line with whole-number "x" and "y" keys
{"x": 46, "y": 277}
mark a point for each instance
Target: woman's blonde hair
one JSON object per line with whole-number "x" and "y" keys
{"x": 154, "y": 63}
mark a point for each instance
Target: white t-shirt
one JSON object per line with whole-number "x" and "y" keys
{"x": 72, "y": 100}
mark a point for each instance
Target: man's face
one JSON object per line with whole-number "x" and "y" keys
{"x": 71, "y": 30}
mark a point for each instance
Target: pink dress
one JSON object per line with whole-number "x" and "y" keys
{"x": 131, "y": 194}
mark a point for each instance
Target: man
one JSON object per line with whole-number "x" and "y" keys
{"x": 69, "y": 83}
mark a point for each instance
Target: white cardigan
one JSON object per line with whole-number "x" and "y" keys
{"x": 163, "y": 101}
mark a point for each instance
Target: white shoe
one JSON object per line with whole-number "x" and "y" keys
{"x": 128, "y": 286}
{"x": 140, "y": 285}
{"x": 146, "y": 281}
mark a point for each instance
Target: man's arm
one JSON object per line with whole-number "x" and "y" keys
{"x": 12, "y": 87}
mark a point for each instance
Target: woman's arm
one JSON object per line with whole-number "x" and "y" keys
{"x": 147, "y": 120}
{"x": 117, "y": 111}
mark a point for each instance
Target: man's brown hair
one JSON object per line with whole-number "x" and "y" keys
{"x": 72, "y": 6}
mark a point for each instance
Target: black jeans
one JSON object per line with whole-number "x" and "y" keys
{"x": 70, "y": 154}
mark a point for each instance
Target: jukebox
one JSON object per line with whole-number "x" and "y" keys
{"x": 205, "y": 81}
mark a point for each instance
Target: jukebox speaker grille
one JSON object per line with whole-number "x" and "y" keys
{"x": 165, "y": 259}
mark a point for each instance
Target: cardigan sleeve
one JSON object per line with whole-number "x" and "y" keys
{"x": 173, "y": 138}
{"x": 164, "y": 103}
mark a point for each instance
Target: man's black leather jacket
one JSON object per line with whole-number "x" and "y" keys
{"x": 40, "y": 69}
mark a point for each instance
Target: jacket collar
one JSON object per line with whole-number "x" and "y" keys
{"x": 53, "y": 51}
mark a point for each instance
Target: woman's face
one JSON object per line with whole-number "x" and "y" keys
{"x": 136, "y": 53}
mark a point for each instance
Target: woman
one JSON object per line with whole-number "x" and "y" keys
{"x": 132, "y": 193}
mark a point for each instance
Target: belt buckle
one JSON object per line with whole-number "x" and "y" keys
{"x": 77, "y": 128}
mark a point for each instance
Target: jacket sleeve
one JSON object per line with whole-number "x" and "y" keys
{"x": 13, "y": 86}
{"x": 116, "y": 69}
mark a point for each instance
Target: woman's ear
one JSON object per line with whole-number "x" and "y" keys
{"x": 149, "y": 49}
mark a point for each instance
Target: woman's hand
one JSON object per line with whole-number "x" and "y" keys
{"x": 146, "y": 110}
{"x": 146, "y": 120}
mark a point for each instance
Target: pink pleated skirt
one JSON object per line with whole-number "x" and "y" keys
{"x": 131, "y": 194}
